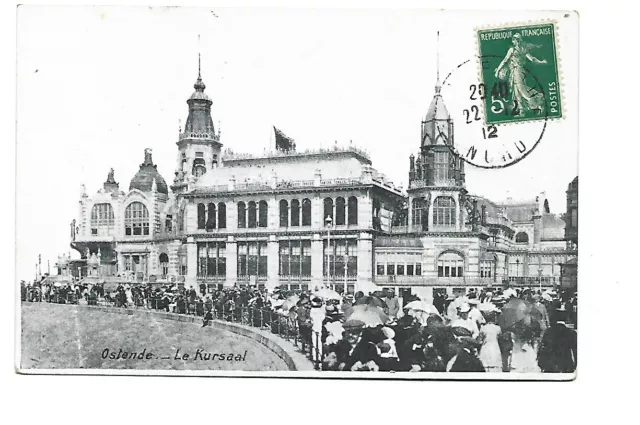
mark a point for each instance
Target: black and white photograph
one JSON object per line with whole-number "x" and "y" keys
{"x": 282, "y": 192}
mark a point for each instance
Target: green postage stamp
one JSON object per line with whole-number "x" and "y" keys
{"x": 520, "y": 73}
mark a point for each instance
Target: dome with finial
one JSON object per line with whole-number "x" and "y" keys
{"x": 144, "y": 178}
{"x": 199, "y": 94}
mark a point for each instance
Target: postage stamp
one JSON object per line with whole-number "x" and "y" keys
{"x": 524, "y": 82}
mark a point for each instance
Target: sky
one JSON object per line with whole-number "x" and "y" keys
{"x": 98, "y": 85}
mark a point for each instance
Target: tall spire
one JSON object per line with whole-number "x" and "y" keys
{"x": 438, "y": 62}
{"x": 199, "y": 85}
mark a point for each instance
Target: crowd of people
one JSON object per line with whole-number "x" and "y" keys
{"x": 523, "y": 330}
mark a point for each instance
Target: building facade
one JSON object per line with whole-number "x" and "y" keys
{"x": 316, "y": 218}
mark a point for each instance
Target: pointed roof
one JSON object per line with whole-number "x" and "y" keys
{"x": 437, "y": 109}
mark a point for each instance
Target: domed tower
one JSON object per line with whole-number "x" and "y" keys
{"x": 199, "y": 144}
{"x": 436, "y": 174}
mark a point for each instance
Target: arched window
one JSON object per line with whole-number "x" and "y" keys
{"x": 418, "y": 206}
{"x": 202, "y": 216}
{"x": 284, "y": 213}
{"x": 211, "y": 216}
{"x": 295, "y": 212}
{"x": 136, "y": 219}
{"x": 164, "y": 264}
{"x": 306, "y": 212}
{"x": 102, "y": 219}
{"x": 340, "y": 211}
{"x": 263, "y": 213}
{"x": 450, "y": 264}
{"x": 352, "y": 205}
{"x": 328, "y": 210}
{"x": 222, "y": 215}
{"x": 252, "y": 216}
{"x": 242, "y": 215}
{"x": 522, "y": 237}
{"x": 199, "y": 167}
{"x": 444, "y": 211}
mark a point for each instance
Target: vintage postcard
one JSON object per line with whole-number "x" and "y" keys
{"x": 297, "y": 192}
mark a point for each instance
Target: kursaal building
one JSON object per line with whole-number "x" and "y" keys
{"x": 302, "y": 220}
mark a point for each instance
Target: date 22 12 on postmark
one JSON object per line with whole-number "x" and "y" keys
{"x": 519, "y": 71}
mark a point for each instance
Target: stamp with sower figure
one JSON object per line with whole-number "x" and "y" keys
{"x": 522, "y": 83}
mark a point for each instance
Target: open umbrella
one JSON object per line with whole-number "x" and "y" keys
{"x": 419, "y": 305}
{"x": 328, "y": 294}
{"x": 514, "y": 311}
{"x": 290, "y": 302}
{"x": 371, "y": 301}
{"x": 371, "y": 316}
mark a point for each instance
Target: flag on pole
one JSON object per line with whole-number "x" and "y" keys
{"x": 284, "y": 143}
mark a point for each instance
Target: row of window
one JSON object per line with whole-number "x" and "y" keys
{"x": 294, "y": 258}
{"x": 444, "y": 211}
{"x": 212, "y": 216}
{"x": 399, "y": 269}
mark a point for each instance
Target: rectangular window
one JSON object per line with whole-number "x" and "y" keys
{"x": 409, "y": 269}
{"x": 400, "y": 270}
{"x": 343, "y": 256}
{"x": 380, "y": 269}
{"x": 418, "y": 269}
{"x": 212, "y": 259}
{"x": 441, "y": 166}
{"x": 252, "y": 258}
{"x": 391, "y": 269}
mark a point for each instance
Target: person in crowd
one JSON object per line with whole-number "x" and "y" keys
{"x": 439, "y": 302}
{"x": 393, "y": 304}
{"x": 347, "y": 305}
{"x": 539, "y": 313}
{"x": 465, "y": 321}
{"x": 474, "y": 313}
{"x": 208, "y": 317}
{"x": 558, "y": 349}
{"x": 304, "y": 321}
{"x": 317, "y": 316}
{"x": 466, "y": 358}
{"x": 203, "y": 289}
{"x": 490, "y": 354}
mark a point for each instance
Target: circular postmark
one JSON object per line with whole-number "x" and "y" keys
{"x": 476, "y": 142}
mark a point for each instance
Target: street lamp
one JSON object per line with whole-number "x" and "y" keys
{"x": 346, "y": 260}
{"x": 540, "y": 278}
{"x": 328, "y": 221}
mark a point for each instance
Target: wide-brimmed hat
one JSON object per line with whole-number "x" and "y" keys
{"x": 316, "y": 302}
{"x": 464, "y": 308}
{"x": 331, "y": 310}
{"x": 474, "y": 301}
{"x": 353, "y": 325}
{"x": 461, "y": 331}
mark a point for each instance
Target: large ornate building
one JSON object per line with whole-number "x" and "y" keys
{"x": 307, "y": 219}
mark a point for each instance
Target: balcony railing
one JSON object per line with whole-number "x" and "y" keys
{"x": 434, "y": 281}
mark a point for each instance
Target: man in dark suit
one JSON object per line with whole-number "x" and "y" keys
{"x": 558, "y": 349}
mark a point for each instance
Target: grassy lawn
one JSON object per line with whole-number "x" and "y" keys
{"x": 65, "y": 336}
